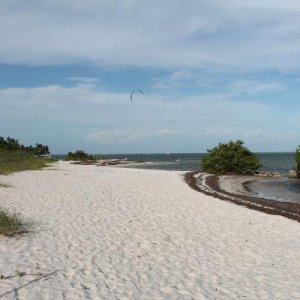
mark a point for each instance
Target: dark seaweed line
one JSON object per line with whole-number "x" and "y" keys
{"x": 285, "y": 209}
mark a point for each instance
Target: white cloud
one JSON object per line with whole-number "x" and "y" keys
{"x": 167, "y": 131}
{"x": 175, "y": 79}
{"x": 243, "y": 34}
{"x": 112, "y": 137}
{"x": 84, "y": 80}
{"x": 255, "y": 87}
{"x": 258, "y": 132}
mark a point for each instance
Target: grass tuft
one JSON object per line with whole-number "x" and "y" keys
{"x": 10, "y": 223}
{"x": 4, "y": 185}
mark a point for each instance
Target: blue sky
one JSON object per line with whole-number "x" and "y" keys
{"x": 211, "y": 71}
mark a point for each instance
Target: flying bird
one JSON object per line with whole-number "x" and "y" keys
{"x": 135, "y": 92}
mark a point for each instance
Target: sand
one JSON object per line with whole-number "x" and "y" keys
{"x": 113, "y": 233}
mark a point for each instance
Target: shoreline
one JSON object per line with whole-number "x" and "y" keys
{"x": 235, "y": 190}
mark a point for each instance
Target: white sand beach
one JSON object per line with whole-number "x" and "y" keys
{"x": 116, "y": 233}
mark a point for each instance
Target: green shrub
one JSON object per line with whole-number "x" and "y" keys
{"x": 228, "y": 158}
{"x": 78, "y": 155}
{"x": 297, "y": 158}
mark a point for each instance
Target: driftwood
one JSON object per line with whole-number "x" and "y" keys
{"x": 15, "y": 290}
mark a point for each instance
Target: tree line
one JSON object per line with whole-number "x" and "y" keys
{"x": 11, "y": 144}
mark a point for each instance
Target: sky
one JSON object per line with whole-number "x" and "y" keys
{"x": 211, "y": 71}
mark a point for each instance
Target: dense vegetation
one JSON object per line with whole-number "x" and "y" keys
{"x": 78, "y": 155}
{"x": 17, "y": 157}
{"x": 297, "y": 158}
{"x": 10, "y": 144}
{"x": 14, "y": 161}
{"x": 230, "y": 158}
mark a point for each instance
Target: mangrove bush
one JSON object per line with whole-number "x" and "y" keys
{"x": 230, "y": 158}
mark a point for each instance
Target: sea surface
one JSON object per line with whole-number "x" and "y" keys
{"x": 280, "y": 162}
{"x": 283, "y": 190}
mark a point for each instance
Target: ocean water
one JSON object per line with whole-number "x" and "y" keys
{"x": 163, "y": 161}
{"x": 280, "y": 162}
{"x": 287, "y": 190}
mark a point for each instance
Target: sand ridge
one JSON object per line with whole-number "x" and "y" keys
{"x": 113, "y": 233}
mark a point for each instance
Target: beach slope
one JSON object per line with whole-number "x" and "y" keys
{"x": 113, "y": 233}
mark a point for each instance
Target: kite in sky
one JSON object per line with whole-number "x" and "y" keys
{"x": 135, "y": 92}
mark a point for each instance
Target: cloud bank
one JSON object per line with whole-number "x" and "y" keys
{"x": 222, "y": 34}
{"x": 213, "y": 70}
{"x": 73, "y": 117}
